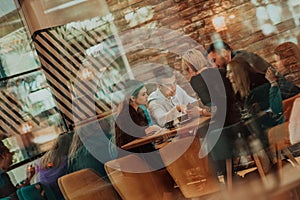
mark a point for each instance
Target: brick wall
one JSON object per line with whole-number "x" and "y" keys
{"x": 194, "y": 18}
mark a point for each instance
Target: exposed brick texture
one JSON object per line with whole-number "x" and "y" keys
{"x": 194, "y": 19}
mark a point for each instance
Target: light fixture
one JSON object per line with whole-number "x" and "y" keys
{"x": 26, "y": 128}
{"x": 219, "y": 23}
{"x": 232, "y": 16}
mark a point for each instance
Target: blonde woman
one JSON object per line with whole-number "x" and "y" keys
{"x": 54, "y": 163}
{"x": 210, "y": 84}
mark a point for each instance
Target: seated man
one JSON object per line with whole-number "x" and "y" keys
{"x": 168, "y": 100}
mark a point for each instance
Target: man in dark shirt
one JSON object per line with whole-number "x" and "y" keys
{"x": 221, "y": 54}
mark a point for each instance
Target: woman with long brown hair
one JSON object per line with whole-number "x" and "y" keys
{"x": 255, "y": 91}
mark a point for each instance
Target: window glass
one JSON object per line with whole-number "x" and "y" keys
{"x": 29, "y": 118}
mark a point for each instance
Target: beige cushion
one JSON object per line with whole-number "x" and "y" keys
{"x": 86, "y": 184}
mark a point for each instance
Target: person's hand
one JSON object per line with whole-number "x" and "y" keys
{"x": 270, "y": 75}
{"x": 197, "y": 111}
{"x": 181, "y": 108}
{"x": 30, "y": 172}
{"x": 152, "y": 129}
{"x": 205, "y": 112}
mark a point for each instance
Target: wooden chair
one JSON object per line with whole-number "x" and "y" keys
{"x": 225, "y": 149}
{"x": 279, "y": 137}
{"x": 150, "y": 185}
{"x": 86, "y": 184}
{"x": 193, "y": 175}
{"x": 287, "y": 105}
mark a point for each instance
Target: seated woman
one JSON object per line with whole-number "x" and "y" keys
{"x": 7, "y": 189}
{"x": 90, "y": 149}
{"x": 133, "y": 121}
{"x": 254, "y": 93}
{"x": 54, "y": 164}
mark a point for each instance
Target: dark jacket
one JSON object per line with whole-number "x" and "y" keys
{"x": 287, "y": 88}
{"x": 265, "y": 97}
{"x": 130, "y": 125}
{"x": 208, "y": 78}
{"x": 7, "y": 189}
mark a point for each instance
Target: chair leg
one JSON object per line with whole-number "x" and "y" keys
{"x": 289, "y": 154}
{"x": 279, "y": 163}
{"x": 229, "y": 174}
{"x": 260, "y": 169}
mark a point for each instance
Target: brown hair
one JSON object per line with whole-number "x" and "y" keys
{"x": 3, "y": 150}
{"x": 75, "y": 145}
{"x": 162, "y": 72}
{"x": 241, "y": 71}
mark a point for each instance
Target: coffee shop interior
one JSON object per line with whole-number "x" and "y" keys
{"x": 210, "y": 90}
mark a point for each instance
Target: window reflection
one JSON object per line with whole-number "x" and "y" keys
{"x": 16, "y": 52}
{"x": 29, "y": 119}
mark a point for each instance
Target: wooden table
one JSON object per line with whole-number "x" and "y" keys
{"x": 193, "y": 124}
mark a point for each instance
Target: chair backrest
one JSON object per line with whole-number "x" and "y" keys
{"x": 279, "y": 135}
{"x": 193, "y": 175}
{"x": 287, "y": 105}
{"x": 139, "y": 186}
{"x": 37, "y": 191}
{"x": 86, "y": 184}
{"x": 294, "y": 125}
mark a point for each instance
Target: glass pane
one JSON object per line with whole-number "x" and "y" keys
{"x": 17, "y": 54}
{"x": 29, "y": 118}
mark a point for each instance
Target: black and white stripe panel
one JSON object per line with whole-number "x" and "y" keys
{"x": 11, "y": 118}
{"x": 62, "y": 57}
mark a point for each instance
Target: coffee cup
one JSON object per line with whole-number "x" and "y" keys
{"x": 170, "y": 124}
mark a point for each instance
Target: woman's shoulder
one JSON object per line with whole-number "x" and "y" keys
{"x": 261, "y": 88}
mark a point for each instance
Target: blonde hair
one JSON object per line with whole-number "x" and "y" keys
{"x": 194, "y": 59}
{"x": 75, "y": 145}
{"x": 241, "y": 71}
{"x": 58, "y": 152}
